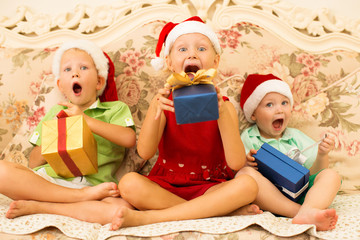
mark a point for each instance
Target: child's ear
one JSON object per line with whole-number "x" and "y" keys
{"x": 168, "y": 63}
{"x": 253, "y": 117}
{"x": 100, "y": 83}
{"x": 59, "y": 85}
{"x": 216, "y": 61}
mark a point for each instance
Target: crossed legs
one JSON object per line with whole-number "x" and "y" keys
{"x": 223, "y": 199}
{"x": 228, "y": 198}
{"x": 312, "y": 211}
{"x": 18, "y": 182}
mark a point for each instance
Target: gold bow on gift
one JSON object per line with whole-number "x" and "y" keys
{"x": 178, "y": 80}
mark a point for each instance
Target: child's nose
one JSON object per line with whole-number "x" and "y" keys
{"x": 192, "y": 57}
{"x": 75, "y": 75}
{"x": 192, "y": 54}
{"x": 279, "y": 109}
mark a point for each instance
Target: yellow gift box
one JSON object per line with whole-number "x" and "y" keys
{"x": 69, "y": 146}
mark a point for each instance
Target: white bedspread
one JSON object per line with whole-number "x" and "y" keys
{"x": 347, "y": 207}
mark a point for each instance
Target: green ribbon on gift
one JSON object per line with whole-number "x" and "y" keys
{"x": 179, "y": 80}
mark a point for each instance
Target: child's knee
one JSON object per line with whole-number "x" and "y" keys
{"x": 130, "y": 184}
{"x": 248, "y": 185}
{"x": 248, "y": 171}
{"x": 5, "y": 170}
{"x": 330, "y": 175}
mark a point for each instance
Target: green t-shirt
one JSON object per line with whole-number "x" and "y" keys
{"x": 292, "y": 137}
{"x": 110, "y": 155}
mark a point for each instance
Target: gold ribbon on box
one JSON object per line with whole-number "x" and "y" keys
{"x": 179, "y": 80}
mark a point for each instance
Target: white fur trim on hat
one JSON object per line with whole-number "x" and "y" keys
{"x": 191, "y": 27}
{"x": 100, "y": 60}
{"x": 157, "y": 63}
{"x": 259, "y": 93}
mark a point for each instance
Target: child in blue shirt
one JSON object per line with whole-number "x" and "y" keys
{"x": 267, "y": 101}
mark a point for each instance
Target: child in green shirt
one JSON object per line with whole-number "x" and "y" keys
{"x": 81, "y": 70}
{"x": 267, "y": 101}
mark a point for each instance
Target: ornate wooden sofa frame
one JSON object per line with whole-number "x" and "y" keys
{"x": 314, "y": 51}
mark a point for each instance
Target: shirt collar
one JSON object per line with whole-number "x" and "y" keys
{"x": 95, "y": 104}
{"x": 98, "y": 104}
{"x": 286, "y": 135}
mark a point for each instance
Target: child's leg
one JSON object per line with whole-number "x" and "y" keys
{"x": 318, "y": 199}
{"x": 91, "y": 211}
{"x": 251, "y": 209}
{"x": 226, "y": 198}
{"x": 269, "y": 197}
{"x": 18, "y": 182}
{"x": 144, "y": 194}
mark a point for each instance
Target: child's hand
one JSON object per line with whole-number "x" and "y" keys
{"x": 72, "y": 109}
{"x": 250, "y": 160}
{"x": 326, "y": 145}
{"x": 163, "y": 103}
{"x": 220, "y": 97}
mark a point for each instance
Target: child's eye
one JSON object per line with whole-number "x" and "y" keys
{"x": 269, "y": 105}
{"x": 67, "y": 69}
{"x": 83, "y": 68}
{"x": 285, "y": 103}
{"x": 202, "y": 49}
{"x": 182, "y": 49}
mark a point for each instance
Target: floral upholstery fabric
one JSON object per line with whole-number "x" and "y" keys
{"x": 21, "y": 75}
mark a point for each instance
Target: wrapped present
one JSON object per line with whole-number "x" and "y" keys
{"x": 69, "y": 146}
{"x": 289, "y": 176}
{"x": 195, "y": 99}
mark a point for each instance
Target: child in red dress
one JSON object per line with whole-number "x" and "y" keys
{"x": 193, "y": 176}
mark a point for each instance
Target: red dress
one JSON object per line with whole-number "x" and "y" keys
{"x": 191, "y": 158}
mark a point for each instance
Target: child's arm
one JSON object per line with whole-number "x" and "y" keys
{"x": 322, "y": 159}
{"x": 35, "y": 158}
{"x": 229, "y": 130}
{"x": 122, "y": 136}
{"x": 154, "y": 124}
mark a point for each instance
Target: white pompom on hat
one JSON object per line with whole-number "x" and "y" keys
{"x": 255, "y": 88}
{"x": 171, "y": 31}
{"x": 98, "y": 56}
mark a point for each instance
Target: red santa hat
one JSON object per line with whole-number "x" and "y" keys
{"x": 255, "y": 88}
{"x": 109, "y": 94}
{"x": 171, "y": 31}
{"x": 103, "y": 63}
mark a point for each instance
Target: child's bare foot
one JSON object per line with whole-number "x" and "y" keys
{"x": 101, "y": 191}
{"x": 323, "y": 219}
{"x": 20, "y": 208}
{"x": 125, "y": 217}
{"x": 251, "y": 209}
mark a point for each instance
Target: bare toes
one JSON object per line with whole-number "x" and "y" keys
{"x": 117, "y": 220}
{"x": 14, "y": 209}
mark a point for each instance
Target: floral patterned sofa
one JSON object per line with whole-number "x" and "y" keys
{"x": 324, "y": 76}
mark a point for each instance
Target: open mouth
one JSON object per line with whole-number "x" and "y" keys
{"x": 278, "y": 123}
{"x": 191, "y": 69}
{"x": 77, "y": 88}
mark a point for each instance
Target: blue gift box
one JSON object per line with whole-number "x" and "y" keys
{"x": 289, "y": 176}
{"x": 195, "y": 103}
